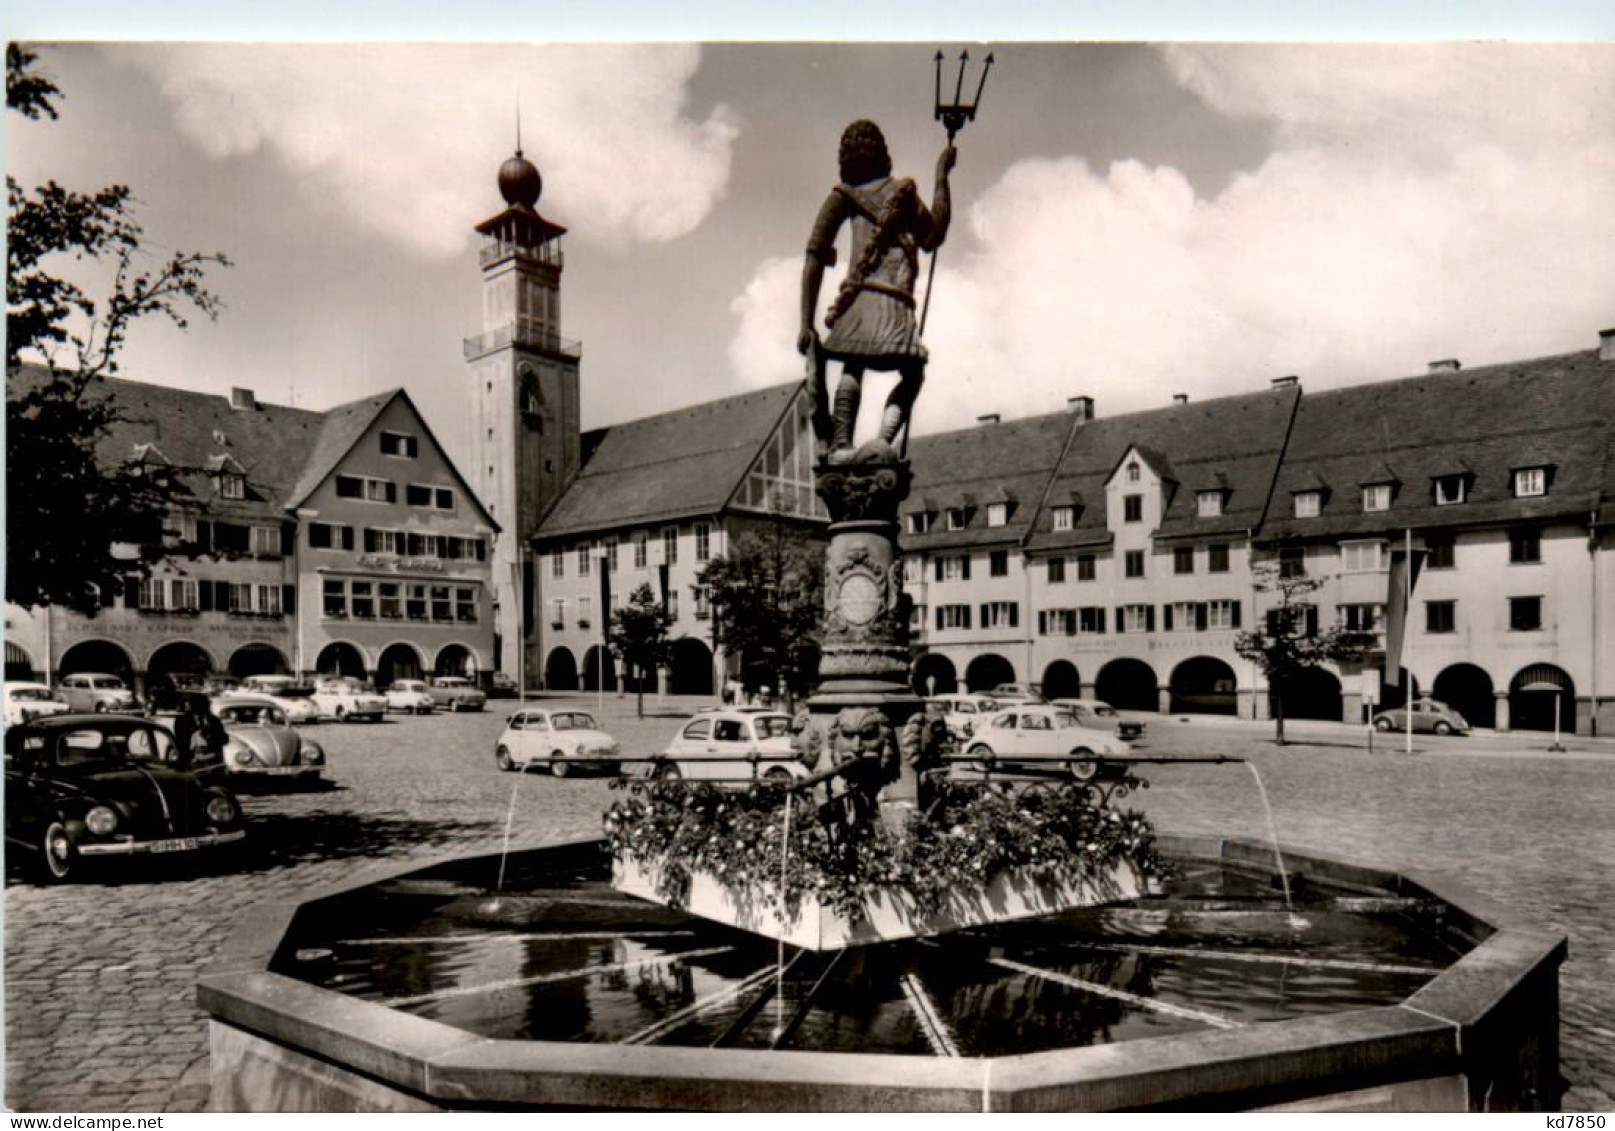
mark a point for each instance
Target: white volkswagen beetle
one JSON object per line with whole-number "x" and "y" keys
{"x": 1026, "y": 735}
{"x": 263, "y": 744}
{"x": 561, "y": 740}
{"x": 290, "y": 695}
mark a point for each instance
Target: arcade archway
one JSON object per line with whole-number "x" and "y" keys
{"x": 1061, "y": 680}
{"x": 397, "y": 661}
{"x": 340, "y": 659}
{"x": 1313, "y": 693}
{"x": 1533, "y": 710}
{"x": 455, "y": 659}
{"x": 561, "y": 671}
{"x": 1128, "y": 685}
{"x": 691, "y": 668}
{"x": 934, "y": 674}
{"x": 1468, "y": 690}
{"x": 599, "y": 670}
{"x": 987, "y": 671}
{"x": 97, "y": 656}
{"x": 1204, "y": 685}
{"x": 258, "y": 659}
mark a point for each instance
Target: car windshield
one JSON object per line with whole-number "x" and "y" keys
{"x": 1105, "y": 712}
{"x": 32, "y": 694}
{"x": 572, "y": 720}
{"x": 772, "y": 726}
{"x": 253, "y": 716}
{"x": 88, "y": 747}
{"x": 407, "y": 685}
{"x": 965, "y": 708}
{"x": 110, "y": 683}
{"x": 450, "y": 681}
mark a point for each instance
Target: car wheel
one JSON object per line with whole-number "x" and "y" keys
{"x": 559, "y": 766}
{"x": 1443, "y": 728}
{"x": 1087, "y": 769}
{"x": 1382, "y": 723}
{"x": 502, "y": 756}
{"x": 100, "y": 708}
{"x": 58, "y": 853}
{"x": 668, "y": 772}
{"x": 779, "y": 775}
{"x": 340, "y": 714}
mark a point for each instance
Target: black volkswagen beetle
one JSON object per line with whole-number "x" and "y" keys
{"x": 82, "y": 786}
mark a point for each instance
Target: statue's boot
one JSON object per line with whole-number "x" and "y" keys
{"x": 846, "y": 415}
{"x": 891, "y": 423}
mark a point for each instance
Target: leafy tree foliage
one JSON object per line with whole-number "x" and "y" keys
{"x": 639, "y": 635}
{"x": 1291, "y": 642}
{"x": 766, "y": 596}
{"x": 76, "y": 526}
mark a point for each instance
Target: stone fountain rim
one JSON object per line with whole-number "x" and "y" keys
{"x": 1428, "y": 1031}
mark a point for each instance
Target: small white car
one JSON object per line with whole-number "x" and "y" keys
{"x": 98, "y": 693}
{"x": 290, "y": 694}
{"x": 733, "y": 746}
{"x": 560, "y": 739}
{"x": 348, "y": 699}
{"x": 1026, "y": 735}
{"x": 1099, "y": 715}
{"x": 964, "y": 712}
{"x": 410, "y": 696}
{"x": 456, "y": 693}
{"x": 25, "y": 701}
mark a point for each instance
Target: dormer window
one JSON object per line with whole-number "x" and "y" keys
{"x": 232, "y": 486}
{"x": 957, "y": 518}
{"x": 1132, "y": 508}
{"x": 1308, "y": 504}
{"x": 1530, "y": 482}
{"x": 1208, "y": 504}
{"x": 1451, "y": 490}
{"x": 1064, "y": 517}
{"x": 1134, "y": 473}
{"x": 919, "y": 522}
{"x": 997, "y": 514}
{"x": 1377, "y": 497}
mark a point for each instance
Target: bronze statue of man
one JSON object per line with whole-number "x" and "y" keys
{"x": 872, "y": 322}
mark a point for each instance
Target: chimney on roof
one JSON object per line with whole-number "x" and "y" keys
{"x": 1606, "y": 345}
{"x": 1446, "y": 365}
{"x": 1286, "y": 382}
{"x": 242, "y": 400}
{"x": 1180, "y": 398}
{"x": 1081, "y": 407}
{"x": 988, "y": 418}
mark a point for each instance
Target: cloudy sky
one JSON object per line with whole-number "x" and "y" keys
{"x": 1131, "y": 221}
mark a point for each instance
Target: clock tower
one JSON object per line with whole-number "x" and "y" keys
{"x": 525, "y": 444}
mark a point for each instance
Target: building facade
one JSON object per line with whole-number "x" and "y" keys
{"x": 299, "y": 541}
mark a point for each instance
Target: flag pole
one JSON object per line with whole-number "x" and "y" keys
{"x": 1407, "y": 613}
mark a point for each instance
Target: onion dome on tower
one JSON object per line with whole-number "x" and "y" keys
{"x": 519, "y": 182}
{"x": 519, "y": 229}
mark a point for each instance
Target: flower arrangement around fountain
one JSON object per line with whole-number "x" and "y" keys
{"x": 976, "y": 845}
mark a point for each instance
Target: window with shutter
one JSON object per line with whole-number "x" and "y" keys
{"x": 1166, "y": 618}
{"x": 1201, "y": 616}
{"x": 288, "y": 599}
{"x": 1121, "y": 618}
{"x": 347, "y": 537}
{"x": 204, "y": 594}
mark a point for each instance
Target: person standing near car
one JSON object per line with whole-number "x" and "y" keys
{"x": 198, "y": 733}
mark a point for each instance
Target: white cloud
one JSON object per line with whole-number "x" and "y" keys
{"x": 1419, "y": 203}
{"x": 406, "y": 139}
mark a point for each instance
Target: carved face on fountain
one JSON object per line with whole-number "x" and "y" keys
{"x": 861, "y": 732}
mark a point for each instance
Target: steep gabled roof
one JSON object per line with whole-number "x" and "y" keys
{"x": 1482, "y": 422}
{"x": 686, "y": 462}
{"x": 340, "y": 429}
{"x": 1231, "y": 444}
{"x": 999, "y": 462}
{"x": 197, "y": 431}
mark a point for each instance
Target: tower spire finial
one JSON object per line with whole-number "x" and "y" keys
{"x": 518, "y": 125}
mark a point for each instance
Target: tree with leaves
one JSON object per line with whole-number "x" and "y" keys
{"x": 75, "y": 525}
{"x": 1291, "y": 642}
{"x": 639, "y": 635}
{"x": 766, "y": 597}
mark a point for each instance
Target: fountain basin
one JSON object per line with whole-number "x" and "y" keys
{"x": 305, "y": 1017}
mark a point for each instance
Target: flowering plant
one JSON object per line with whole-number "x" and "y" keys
{"x": 972, "y": 834}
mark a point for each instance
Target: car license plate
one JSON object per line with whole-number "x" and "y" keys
{"x": 282, "y": 770}
{"x": 175, "y": 844}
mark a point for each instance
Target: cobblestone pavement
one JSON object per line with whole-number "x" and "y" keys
{"x": 100, "y": 1012}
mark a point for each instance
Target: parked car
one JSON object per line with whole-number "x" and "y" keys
{"x": 561, "y": 740}
{"x": 502, "y": 686}
{"x": 410, "y": 696}
{"x": 168, "y": 693}
{"x": 456, "y": 693}
{"x": 290, "y": 694}
{"x": 97, "y": 693}
{"x": 346, "y": 699}
{"x": 1014, "y": 694}
{"x": 722, "y": 745}
{"x": 26, "y": 701}
{"x": 1099, "y": 715}
{"x": 1022, "y": 737}
{"x": 1430, "y": 716}
{"x": 83, "y": 786}
{"x": 263, "y": 745}
{"x": 963, "y": 712}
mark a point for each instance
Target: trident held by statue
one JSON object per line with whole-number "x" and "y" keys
{"x": 953, "y": 115}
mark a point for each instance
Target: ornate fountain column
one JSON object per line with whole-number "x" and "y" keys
{"x": 865, "y": 660}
